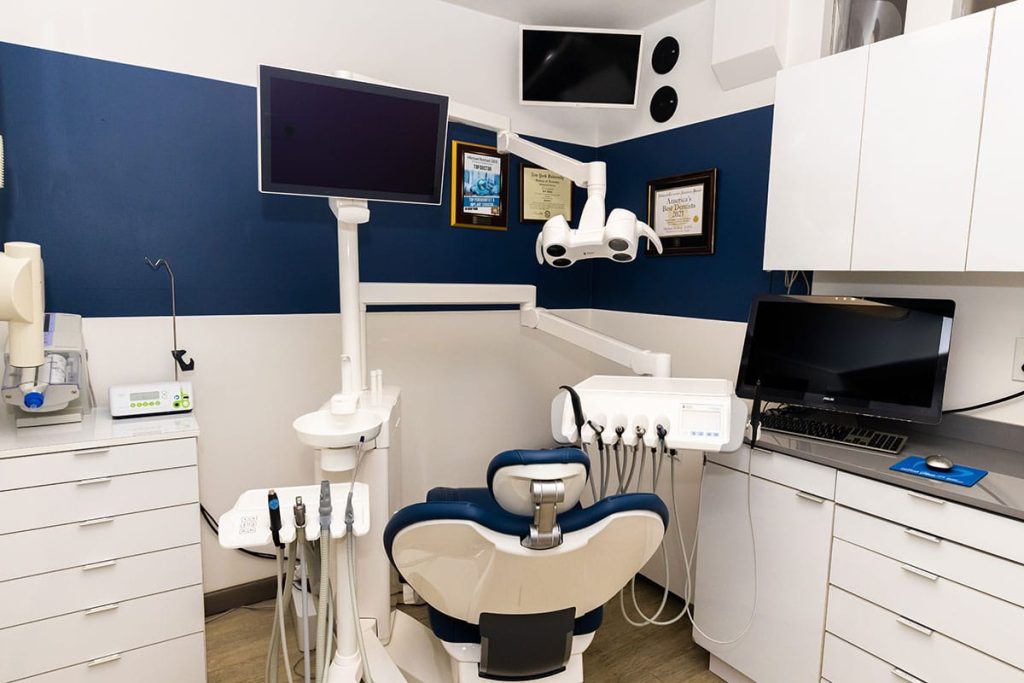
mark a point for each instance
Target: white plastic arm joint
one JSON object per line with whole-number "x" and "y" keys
{"x": 584, "y": 174}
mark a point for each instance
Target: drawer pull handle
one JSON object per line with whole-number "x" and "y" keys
{"x": 899, "y": 673}
{"x": 96, "y": 522}
{"x": 92, "y": 451}
{"x": 102, "y": 608}
{"x": 98, "y": 565}
{"x": 919, "y": 572}
{"x": 810, "y": 497}
{"x": 104, "y": 660}
{"x": 89, "y": 482}
{"x": 915, "y": 626}
{"x": 921, "y": 496}
{"x": 922, "y": 535}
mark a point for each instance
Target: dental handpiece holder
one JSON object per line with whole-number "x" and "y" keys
{"x": 695, "y": 414}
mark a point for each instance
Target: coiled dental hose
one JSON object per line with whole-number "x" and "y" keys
{"x": 688, "y": 557}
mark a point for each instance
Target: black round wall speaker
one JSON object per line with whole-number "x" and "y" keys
{"x": 666, "y": 54}
{"x": 664, "y": 103}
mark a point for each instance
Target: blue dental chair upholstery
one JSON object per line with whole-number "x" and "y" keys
{"x": 515, "y": 574}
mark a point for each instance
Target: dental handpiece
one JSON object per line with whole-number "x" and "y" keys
{"x": 325, "y": 506}
{"x": 274, "y": 506}
{"x": 300, "y": 513}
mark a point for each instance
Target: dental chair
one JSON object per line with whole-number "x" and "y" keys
{"x": 515, "y": 575}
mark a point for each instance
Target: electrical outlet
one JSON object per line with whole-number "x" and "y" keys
{"x": 1018, "y": 361}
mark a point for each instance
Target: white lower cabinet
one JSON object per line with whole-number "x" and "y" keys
{"x": 918, "y": 589}
{"x": 101, "y": 578}
{"x": 793, "y": 532}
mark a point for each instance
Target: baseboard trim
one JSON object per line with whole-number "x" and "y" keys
{"x": 231, "y": 597}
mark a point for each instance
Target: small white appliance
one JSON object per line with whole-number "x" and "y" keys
{"x": 151, "y": 398}
{"x": 56, "y": 392}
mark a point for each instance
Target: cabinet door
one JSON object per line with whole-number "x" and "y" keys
{"x": 922, "y": 119}
{"x": 812, "y": 189}
{"x": 997, "y": 241}
{"x": 793, "y": 533}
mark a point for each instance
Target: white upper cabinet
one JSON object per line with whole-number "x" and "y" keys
{"x": 812, "y": 190}
{"x": 919, "y": 151}
{"x": 997, "y": 237}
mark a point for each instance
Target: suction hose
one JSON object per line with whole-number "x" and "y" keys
{"x": 325, "y": 571}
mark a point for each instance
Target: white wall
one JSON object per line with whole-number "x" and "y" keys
{"x": 701, "y": 97}
{"x": 425, "y": 44}
{"x": 989, "y": 318}
{"x": 473, "y": 384}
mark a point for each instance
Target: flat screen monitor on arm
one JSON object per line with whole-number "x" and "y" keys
{"x": 333, "y": 137}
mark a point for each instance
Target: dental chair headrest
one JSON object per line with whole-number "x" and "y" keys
{"x": 510, "y": 475}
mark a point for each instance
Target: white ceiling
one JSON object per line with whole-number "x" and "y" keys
{"x": 623, "y": 14}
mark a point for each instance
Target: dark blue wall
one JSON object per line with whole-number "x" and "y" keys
{"x": 719, "y": 286}
{"x": 107, "y": 163}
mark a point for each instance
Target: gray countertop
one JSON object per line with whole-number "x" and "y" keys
{"x": 995, "y": 447}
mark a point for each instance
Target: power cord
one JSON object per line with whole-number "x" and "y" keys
{"x": 979, "y": 406}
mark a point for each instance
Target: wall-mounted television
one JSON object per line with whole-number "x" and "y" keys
{"x": 579, "y": 67}
{"x": 334, "y": 137}
{"x": 867, "y": 356}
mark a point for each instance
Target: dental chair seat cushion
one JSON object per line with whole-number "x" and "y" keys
{"x": 452, "y": 630}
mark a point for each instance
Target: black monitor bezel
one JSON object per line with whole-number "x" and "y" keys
{"x": 632, "y": 104}
{"x": 263, "y": 95}
{"x": 894, "y": 411}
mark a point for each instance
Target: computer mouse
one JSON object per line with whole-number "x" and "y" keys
{"x": 939, "y": 463}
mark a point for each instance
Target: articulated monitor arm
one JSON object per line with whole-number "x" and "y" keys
{"x": 615, "y": 238}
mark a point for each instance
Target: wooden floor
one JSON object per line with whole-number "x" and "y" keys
{"x": 236, "y": 646}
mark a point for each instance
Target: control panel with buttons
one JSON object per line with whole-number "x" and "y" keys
{"x": 155, "y": 398}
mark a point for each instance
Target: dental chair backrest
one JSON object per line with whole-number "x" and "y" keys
{"x": 469, "y": 555}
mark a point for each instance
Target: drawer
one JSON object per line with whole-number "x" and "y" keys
{"x": 55, "y": 468}
{"x": 983, "y": 530}
{"x": 73, "y": 545}
{"x": 45, "y": 506}
{"x": 795, "y": 473}
{"x": 182, "y": 660}
{"x": 976, "y": 619}
{"x": 101, "y": 632}
{"x": 935, "y": 658}
{"x": 844, "y": 663}
{"x": 71, "y": 590}
{"x": 981, "y": 571}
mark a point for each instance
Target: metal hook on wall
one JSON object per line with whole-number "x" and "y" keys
{"x": 176, "y": 353}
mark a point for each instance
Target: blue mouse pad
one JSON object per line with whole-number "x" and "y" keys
{"x": 960, "y": 474}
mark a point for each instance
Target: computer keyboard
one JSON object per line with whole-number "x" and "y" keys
{"x": 828, "y": 431}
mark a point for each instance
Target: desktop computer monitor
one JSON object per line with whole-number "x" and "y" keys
{"x": 867, "y": 356}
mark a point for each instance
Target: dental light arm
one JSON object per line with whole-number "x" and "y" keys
{"x": 616, "y": 238}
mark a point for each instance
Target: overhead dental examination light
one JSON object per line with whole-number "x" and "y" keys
{"x": 615, "y": 238}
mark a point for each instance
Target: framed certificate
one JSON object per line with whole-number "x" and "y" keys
{"x": 543, "y": 194}
{"x": 681, "y": 210}
{"x": 479, "y": 187}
